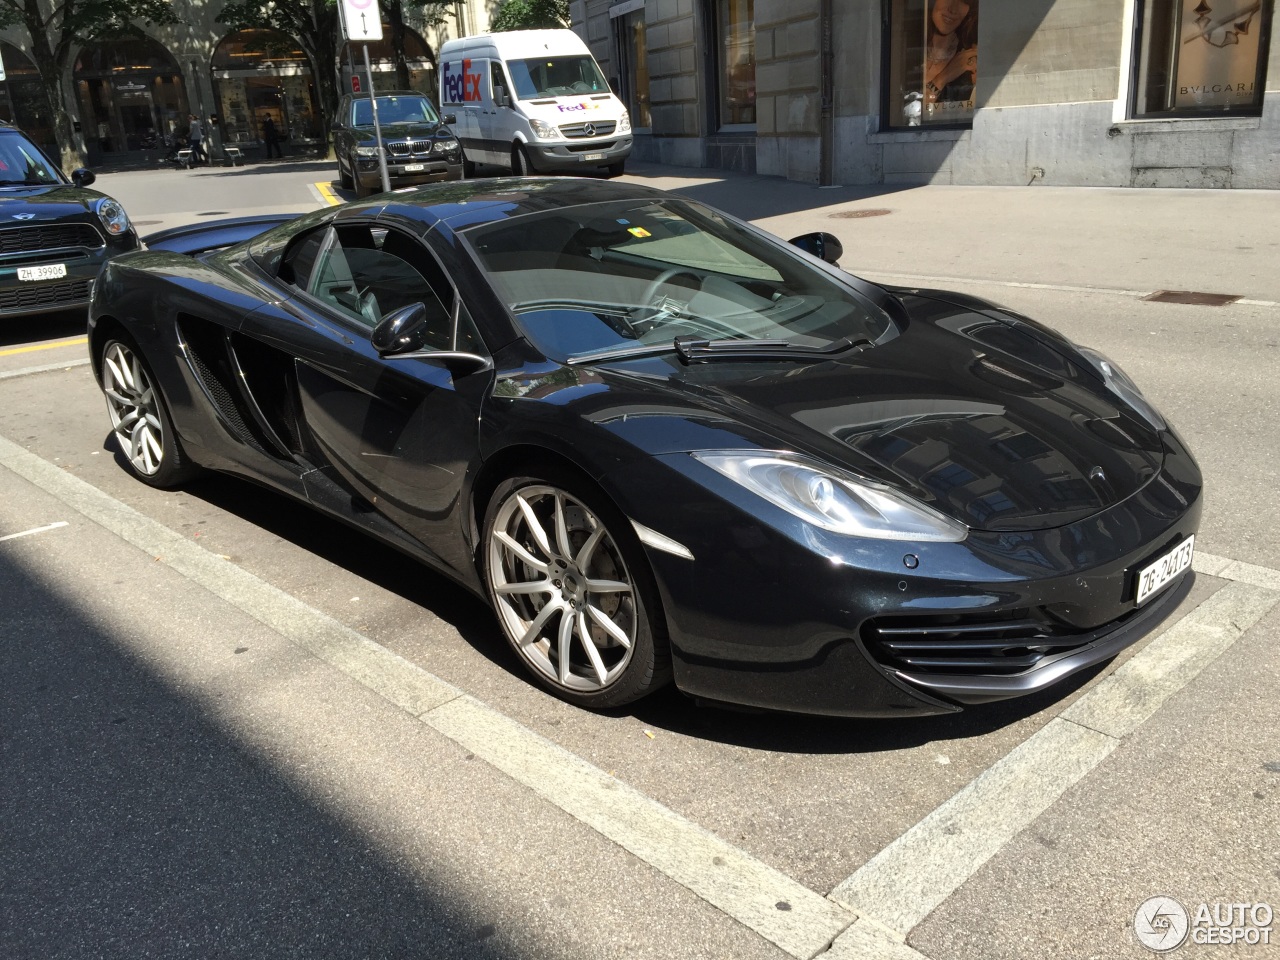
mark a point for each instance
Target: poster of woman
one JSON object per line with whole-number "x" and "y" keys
{"x": 951, "y": 60}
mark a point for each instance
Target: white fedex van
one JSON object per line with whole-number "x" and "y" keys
{"x": 534, "y": 101}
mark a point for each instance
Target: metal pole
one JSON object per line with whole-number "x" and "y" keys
{"x": 827, "y": 116}
{"x": 377, "y": 127}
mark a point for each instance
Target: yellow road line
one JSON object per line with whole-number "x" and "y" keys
{"x": 326, "y": 191}
{"x": 79, "y": 341}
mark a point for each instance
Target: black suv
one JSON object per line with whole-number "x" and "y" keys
{"x": 420, "y": 148}
{"x": 54, "y": 234}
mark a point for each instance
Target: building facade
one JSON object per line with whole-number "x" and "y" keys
{"x": 127, "y": 96}
{"x": 1147, "y": 93}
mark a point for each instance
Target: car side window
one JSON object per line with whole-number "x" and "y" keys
{"x": 300, "y": 259}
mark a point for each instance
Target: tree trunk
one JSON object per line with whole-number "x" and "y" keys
{"x": 50, "y": 66}
{"x": 395, "y": 14}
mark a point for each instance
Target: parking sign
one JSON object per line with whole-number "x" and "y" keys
{"x": 361, "y": 20}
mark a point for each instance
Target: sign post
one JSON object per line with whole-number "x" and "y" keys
{"x": 362, "y": 21}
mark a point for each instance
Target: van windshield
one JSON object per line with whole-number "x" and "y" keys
{"x": 556, "y": 77}
{"x": 394, "y": 110}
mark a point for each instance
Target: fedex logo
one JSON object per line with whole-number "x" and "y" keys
{"x": 577, "y": 107}
{"x": 460, "y": 84}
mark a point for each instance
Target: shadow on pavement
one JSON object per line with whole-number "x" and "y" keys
{"x": 135, "y": 826}
{"x": 44, "y": 326}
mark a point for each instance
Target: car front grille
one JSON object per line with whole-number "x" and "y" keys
{"x": 602, "y": 129}
{"x": 70, "y": 293}
{"x": 975, "y": 645}
{"x": 55, "y": 236}
{"x": 410, "y": 148}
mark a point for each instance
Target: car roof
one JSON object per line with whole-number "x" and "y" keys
{"x": 466, "y": 204}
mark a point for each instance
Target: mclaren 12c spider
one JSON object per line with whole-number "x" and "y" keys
{"x": 664, "y": 444}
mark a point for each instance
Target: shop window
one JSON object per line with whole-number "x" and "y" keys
{"x": 262, "y": 74}
{"x": 633, "y": 65}
{"x": 932, "y": 62}
{"x": 1197, "y": 58}
{"x": 736, "y": 34}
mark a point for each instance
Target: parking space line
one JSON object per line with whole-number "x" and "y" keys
{"x": 914, "y": 874}
{"x": 326, "y": 194}
{"x": 34, "y": 530}
{"x": 866, "y": 917}
{"x": 32, "y": 348}
{"x": 798, "y": 920}
{"x": 44, "y": 368}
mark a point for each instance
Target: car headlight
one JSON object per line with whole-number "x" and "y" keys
{"x": 832, "y": 499}
{"x": 1122, "y": 385}
{"x": 624, "y": 125}
{"x": 544, "y": 131}
{"x": 113, "y": 217}
{"x": 367, "y": 151}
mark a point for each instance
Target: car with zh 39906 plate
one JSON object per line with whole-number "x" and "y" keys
{"x": 664, "y": 444}
{"x": 55, "y": 233}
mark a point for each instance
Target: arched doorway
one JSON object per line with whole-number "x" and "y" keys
{"x": 129, "y": 90}
{"x": 421, "y": 62}
{"x": 22, "y": 99}
{"x": 259, "y": 74}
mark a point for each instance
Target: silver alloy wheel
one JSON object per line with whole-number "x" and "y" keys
{"x": 562, "y": 591}
{"x": 134, "y": 408}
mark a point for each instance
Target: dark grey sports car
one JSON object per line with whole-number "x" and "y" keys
{"x": 664, "y": 444}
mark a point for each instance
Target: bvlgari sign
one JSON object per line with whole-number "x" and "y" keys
{"x": 1217, "y": 56}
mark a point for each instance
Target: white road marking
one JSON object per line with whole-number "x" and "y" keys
{"x": 869, "y": 915}
{"x": 912, "y": 876}
{"x": 45, "y": 368}
{"x": 735, "y": 882}
{"x": 34, "y": 530}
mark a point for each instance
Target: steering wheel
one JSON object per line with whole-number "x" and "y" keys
{"x": 651, "y": 291}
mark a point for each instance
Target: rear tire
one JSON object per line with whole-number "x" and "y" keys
{"x": 140, "y": 418}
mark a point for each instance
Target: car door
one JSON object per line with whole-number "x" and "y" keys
{"x": 401, "y": 433}
{"x": 493, "y": 129}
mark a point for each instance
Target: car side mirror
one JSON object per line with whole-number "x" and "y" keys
{"x": 824, "y": 246}
{"x": 450, "y": 118}
{"x": 83, "y": 177}
{"x": 401, "y": 335}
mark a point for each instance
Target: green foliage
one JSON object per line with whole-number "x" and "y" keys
{"x": 531, "y": 15}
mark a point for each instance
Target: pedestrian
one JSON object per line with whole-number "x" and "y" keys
{"x": 270, "y": 137}
{"x": 195, "y": 135}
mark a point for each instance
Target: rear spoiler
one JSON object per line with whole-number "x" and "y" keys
{"x": 196, "y": 238}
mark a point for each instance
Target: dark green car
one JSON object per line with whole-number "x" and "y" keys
{"x": 418, "y": 145}
{"x": 55, "y": 234}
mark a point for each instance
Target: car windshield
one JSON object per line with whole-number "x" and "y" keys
{"x": 556, "y": 77}
{"x": 395, "y": 110}
{"x": 629, "y": 277}
{"x": 21, "y": 162}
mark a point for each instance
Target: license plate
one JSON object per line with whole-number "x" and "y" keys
{"x": 49, "y": 271}
{"x": 591, "y": 156}
{"x": 1158, "y": 574}
{"x": 414, "y": 167}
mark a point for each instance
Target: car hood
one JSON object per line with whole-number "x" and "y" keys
{"x": 48, "y": 202}
{"x": 986, "y": 422}
{"x": 398, "y": 131}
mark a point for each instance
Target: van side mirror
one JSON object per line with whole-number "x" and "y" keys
{"x": 500, "y": 97}
{"x": 824, "y": 246}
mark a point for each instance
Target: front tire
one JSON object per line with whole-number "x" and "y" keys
{"x": 344, "y": 179}
{"x": 520, "y": 165}
{"x": 140, "y": 419}
{"x": 468, "y": 167}
{"x": 572, "y": 591}
{"x": 617, "y": 168}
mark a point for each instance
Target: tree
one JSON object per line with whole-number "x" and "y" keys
{"x": 313, "y": 24}
{"x": 430, "y": 13}
{"x": 531, "y": 15}
{"x": 56, "y": 30}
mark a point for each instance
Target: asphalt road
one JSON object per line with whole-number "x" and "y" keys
{"x": 232, "y": 728}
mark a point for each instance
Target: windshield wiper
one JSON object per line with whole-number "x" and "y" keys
{"x": 698, "y": 350}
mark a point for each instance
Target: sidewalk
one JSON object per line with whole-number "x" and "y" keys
{"x": 1220, "y": 241}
